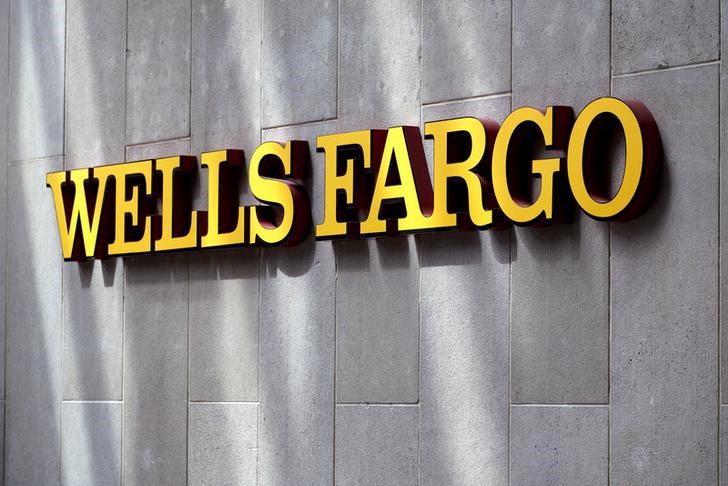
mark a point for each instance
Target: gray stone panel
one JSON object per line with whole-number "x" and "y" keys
{"x": 93, "y": 329}
{"x": 376, "y": 445}
{"x": 377, "y": 311}
{"x": 35, "y": 113}
{"x": 562, "y": 445}
{"x": 464, "y": 343}
{"x": 95, "y": 83}
{"x": 299, "y": 61}
{"x": 155, "y": 370}
{"x": 664, "y": 295}
{"x": 224, "y": 325}
{"x": 91, "y": 443}
{"x": 297, "y": 345}
{"x": 560, "y": 310}
{"x": 379, "y": 64}
{"x": 559, "y": 54}
{"x": 466, "y": 49}
{"x": 223, "y": 442}
{"x": 158, "y": 70}
{"x": 655, "y": 35}
{"x": 226, "y": 75}
{"x": 33, "y": 372}
{"x": 95, "y": 115}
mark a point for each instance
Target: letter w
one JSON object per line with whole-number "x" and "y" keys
{"x": 73, "y": 205}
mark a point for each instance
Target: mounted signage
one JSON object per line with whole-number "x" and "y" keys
{"x": 376, "y": 183}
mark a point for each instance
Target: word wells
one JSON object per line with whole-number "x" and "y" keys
{"x": 531, "y": 170}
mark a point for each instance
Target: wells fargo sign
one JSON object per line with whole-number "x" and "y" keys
{"x": 376, "y": 183}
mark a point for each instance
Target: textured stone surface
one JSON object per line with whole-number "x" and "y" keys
{"x": 466, "y": 49}
{"x": 379, "y": 62}
{"x": 226, "y": 75}
{"x": 376, "y": 444}
{"x": 464, "y": 343}
{"x": 297, "y": 346}
{"x": 224, "y": 286}
{"x": 33, "y": 372}
{"x": 155, "y": 370}
{"x": 93, "y": 331}
{"x": 559, "y": 54}
{"x": 664, "y": 295}
{"x": 299, "y": 61}
{"x": 91, "y": 443}
{"x": 377, "y": 319}
{"x": 560, "y": 326}
{"x": 158, "y": 70}
{"x": 559, "y": 445}
{"x": 35, "y": 114}
{"x": 223, "y": 443}
{"x": 95, "y": 83}
{"x": 654, "y": 35}
{"x": 224, "y": 325}
{"x": 94, "y": 135}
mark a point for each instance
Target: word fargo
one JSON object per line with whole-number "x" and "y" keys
{"x": 376, "y": 183}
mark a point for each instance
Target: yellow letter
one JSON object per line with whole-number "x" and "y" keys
{"x": 225, "y": 226}
{"x": 515, "y": 205}
{"x": 359, "y": 146}
{"x": 175, "y": 205}
{"x": 642, "y": 152}
{"x": 442, "y": 132}
{"x": 292, "y": 222}
{"x": 93, "y": 243}
{"x": 136, "y": 174}
{"x": 404, "y": 146}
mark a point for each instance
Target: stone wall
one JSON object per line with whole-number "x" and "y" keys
{"x": 572, "y": 354}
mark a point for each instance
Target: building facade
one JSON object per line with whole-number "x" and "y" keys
{"x": 582, "y": 353}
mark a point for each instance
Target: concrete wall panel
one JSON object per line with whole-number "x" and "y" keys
{"x": 655, "y": 35}
{"x": 565, "y": 445}
{"x": 466, "y": 49}
{"x": 223, "y": 444}
{"x": 155, "y": 370}
{"x": 33, "y": 371}
{"x": 464, "y": 343}
{"x": 224, "y": 326}
{"x": 35, "y": 113}
{"x": 376, "y": 444}
{"x": 560, "y": 333}
{"x": 664, "y": 295}
{"x": 158, "y": 70}
{"x": 299, "y": 61}
{"x": 226, "y": 75}
{"x": 91, "y": 443}
{"x": 297, "y": 326}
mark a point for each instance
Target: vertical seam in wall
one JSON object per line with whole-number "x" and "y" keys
{"x": 336, "y": 247}
{"x": 511, "y": 238}
{"x": 259, "y": 406}
{"x": 419, "y": 293}
{"x": 721, "y": 137}
{"x": 188, "y": 259}
{"x": 609, "y": 298}
{"x": 63, "y": 144}
{"x": 123, "y": 260}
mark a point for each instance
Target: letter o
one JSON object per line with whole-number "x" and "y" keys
{"x": 643, "y": 151}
